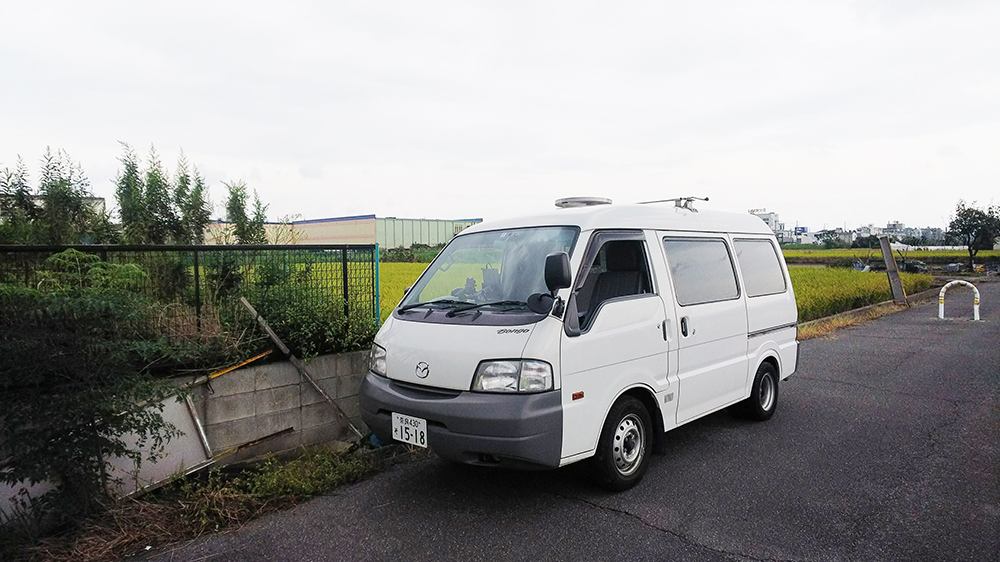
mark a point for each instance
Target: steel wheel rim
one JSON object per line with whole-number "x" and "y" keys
{"x": 766, "y": 392}
{"x": 629, "y": 445}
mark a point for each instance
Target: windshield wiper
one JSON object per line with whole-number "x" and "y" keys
{"x": 437, "y": 301}
{"x": 458, "y": 309}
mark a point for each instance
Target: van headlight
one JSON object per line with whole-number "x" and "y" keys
{"x": 513, "y": 376}
{"x": 376, "y": 360}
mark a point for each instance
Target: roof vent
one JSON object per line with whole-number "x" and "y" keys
{"x": 570, "y": 202}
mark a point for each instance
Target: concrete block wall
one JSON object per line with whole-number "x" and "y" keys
{"x": 256, "y": 401}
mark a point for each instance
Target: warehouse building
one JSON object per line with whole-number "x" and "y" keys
{"x": 387, "y": 232}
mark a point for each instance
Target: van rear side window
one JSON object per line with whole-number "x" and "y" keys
{"x": 761, "y": 269}
{"x": 702, "y": 270}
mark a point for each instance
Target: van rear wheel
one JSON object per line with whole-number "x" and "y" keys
{"x": 625, "y": 446}
{"x": 763, "y": 400}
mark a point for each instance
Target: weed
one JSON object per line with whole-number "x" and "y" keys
{"x": 209, "y": 502}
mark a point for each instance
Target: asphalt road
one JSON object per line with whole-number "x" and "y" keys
{"x": 884, "y": 447}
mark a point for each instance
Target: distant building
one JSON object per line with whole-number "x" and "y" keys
{"x": 770, "y": 219}
{"x": 96, "y": 204}
{"x": 868, "y": 230}
{"x": 894, "y": 228}
{"x": 932, "y": 234}
{"x": 387, "y": 232}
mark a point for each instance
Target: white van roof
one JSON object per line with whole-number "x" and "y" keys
{"x": 656, "y": 216}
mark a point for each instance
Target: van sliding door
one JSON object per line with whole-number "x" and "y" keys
{"x": 712, "y": 321}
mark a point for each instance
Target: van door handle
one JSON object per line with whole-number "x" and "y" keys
{"x": 686, "y": 328}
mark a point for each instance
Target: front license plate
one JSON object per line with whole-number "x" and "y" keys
{"x": 409, "y": 429}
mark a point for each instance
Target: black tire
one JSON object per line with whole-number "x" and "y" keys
{"x": 763, "y": 400}
{"x": 625, "y": 446}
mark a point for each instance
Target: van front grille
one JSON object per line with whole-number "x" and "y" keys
{"x": 435, "y": 392}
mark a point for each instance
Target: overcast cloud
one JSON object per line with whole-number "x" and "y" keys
{"x": 827, "y": 112}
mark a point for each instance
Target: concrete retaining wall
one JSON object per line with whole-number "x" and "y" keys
{"x": 256, "y": 401}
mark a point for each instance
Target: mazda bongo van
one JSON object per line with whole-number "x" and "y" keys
{"x": 584, "y": 333}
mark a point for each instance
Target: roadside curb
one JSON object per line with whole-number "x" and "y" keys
{"x": 916, "y": 298}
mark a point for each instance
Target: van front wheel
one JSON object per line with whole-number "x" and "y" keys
{"x": 763, "y": 400}
{"x": 625, "y": 446}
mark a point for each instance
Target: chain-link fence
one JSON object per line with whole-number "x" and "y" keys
{"x": 200, "y": 286}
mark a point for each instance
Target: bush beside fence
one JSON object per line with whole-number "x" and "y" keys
{"x": 323, "y": 299}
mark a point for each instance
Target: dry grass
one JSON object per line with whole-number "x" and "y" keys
{"x": 826, "y": 326}
{"x": 181, "y": 321}
{"x": 132, "y": 525}
{"x": 217, "y": 500}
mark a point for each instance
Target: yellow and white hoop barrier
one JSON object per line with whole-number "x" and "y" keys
{"x": 975, "y": 301}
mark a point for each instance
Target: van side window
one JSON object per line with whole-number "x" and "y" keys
{"x": 761, "y": 269}
{"x": 702, "y": 270}
{"x": 618, "y": 269}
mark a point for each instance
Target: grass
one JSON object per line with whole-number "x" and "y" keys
{"x": 819, "y": 291}
{"x": 828, "y": 325}
{"x": 930, "y": 256}
{"x": 825, "y": 291}
{"x": 206, "y": 503}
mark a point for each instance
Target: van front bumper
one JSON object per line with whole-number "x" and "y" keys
{"x": 513, "y": 430}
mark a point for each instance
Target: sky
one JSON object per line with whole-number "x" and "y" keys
{"x": 830, "y": 113}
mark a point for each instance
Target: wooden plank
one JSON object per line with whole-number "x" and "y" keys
{"x": 299, "y": 365}
{"x": 895, "y": 283}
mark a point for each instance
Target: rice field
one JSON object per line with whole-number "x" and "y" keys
{"x": 824, "y": 291}
{"x": 938, "y": 257}
{"x": 819, "y": 291}
{"x": 394, "y": 278}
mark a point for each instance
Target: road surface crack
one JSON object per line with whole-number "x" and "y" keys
{"x": 684, "y": 538}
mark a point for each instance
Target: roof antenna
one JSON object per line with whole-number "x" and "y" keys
{"x": 681, "y": 202}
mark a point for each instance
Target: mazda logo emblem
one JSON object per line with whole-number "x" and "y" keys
{"x": 423, "y": 369}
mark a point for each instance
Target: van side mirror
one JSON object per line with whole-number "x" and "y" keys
{"x": 557, "y": 272}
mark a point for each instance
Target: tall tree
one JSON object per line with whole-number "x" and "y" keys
{"x": 163, "y": 221}
{"x": 258, "y": 232}
{"x": 131, "y": 195}
{"x": 18, "y": 210}
{"x": 60, "y": 210}
{"x": 63, "y": 189}
{"x": 195, "y": 208}
{"x": 236, "y": 210}
{"x": 976, "y": 229}
{"x": 244, "y": 228}
{"x": 158, "y": 209}
{"x": 182, "y": 190}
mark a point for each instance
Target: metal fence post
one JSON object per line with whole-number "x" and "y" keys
{"x": 377, "y": 290}
{"x": 197, "y": 292}
{"x": 343, "y": 268}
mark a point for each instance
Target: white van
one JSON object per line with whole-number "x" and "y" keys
{"x": 585, "y": 332}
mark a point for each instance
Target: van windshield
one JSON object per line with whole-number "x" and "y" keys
{"x": 497, "y": 270}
